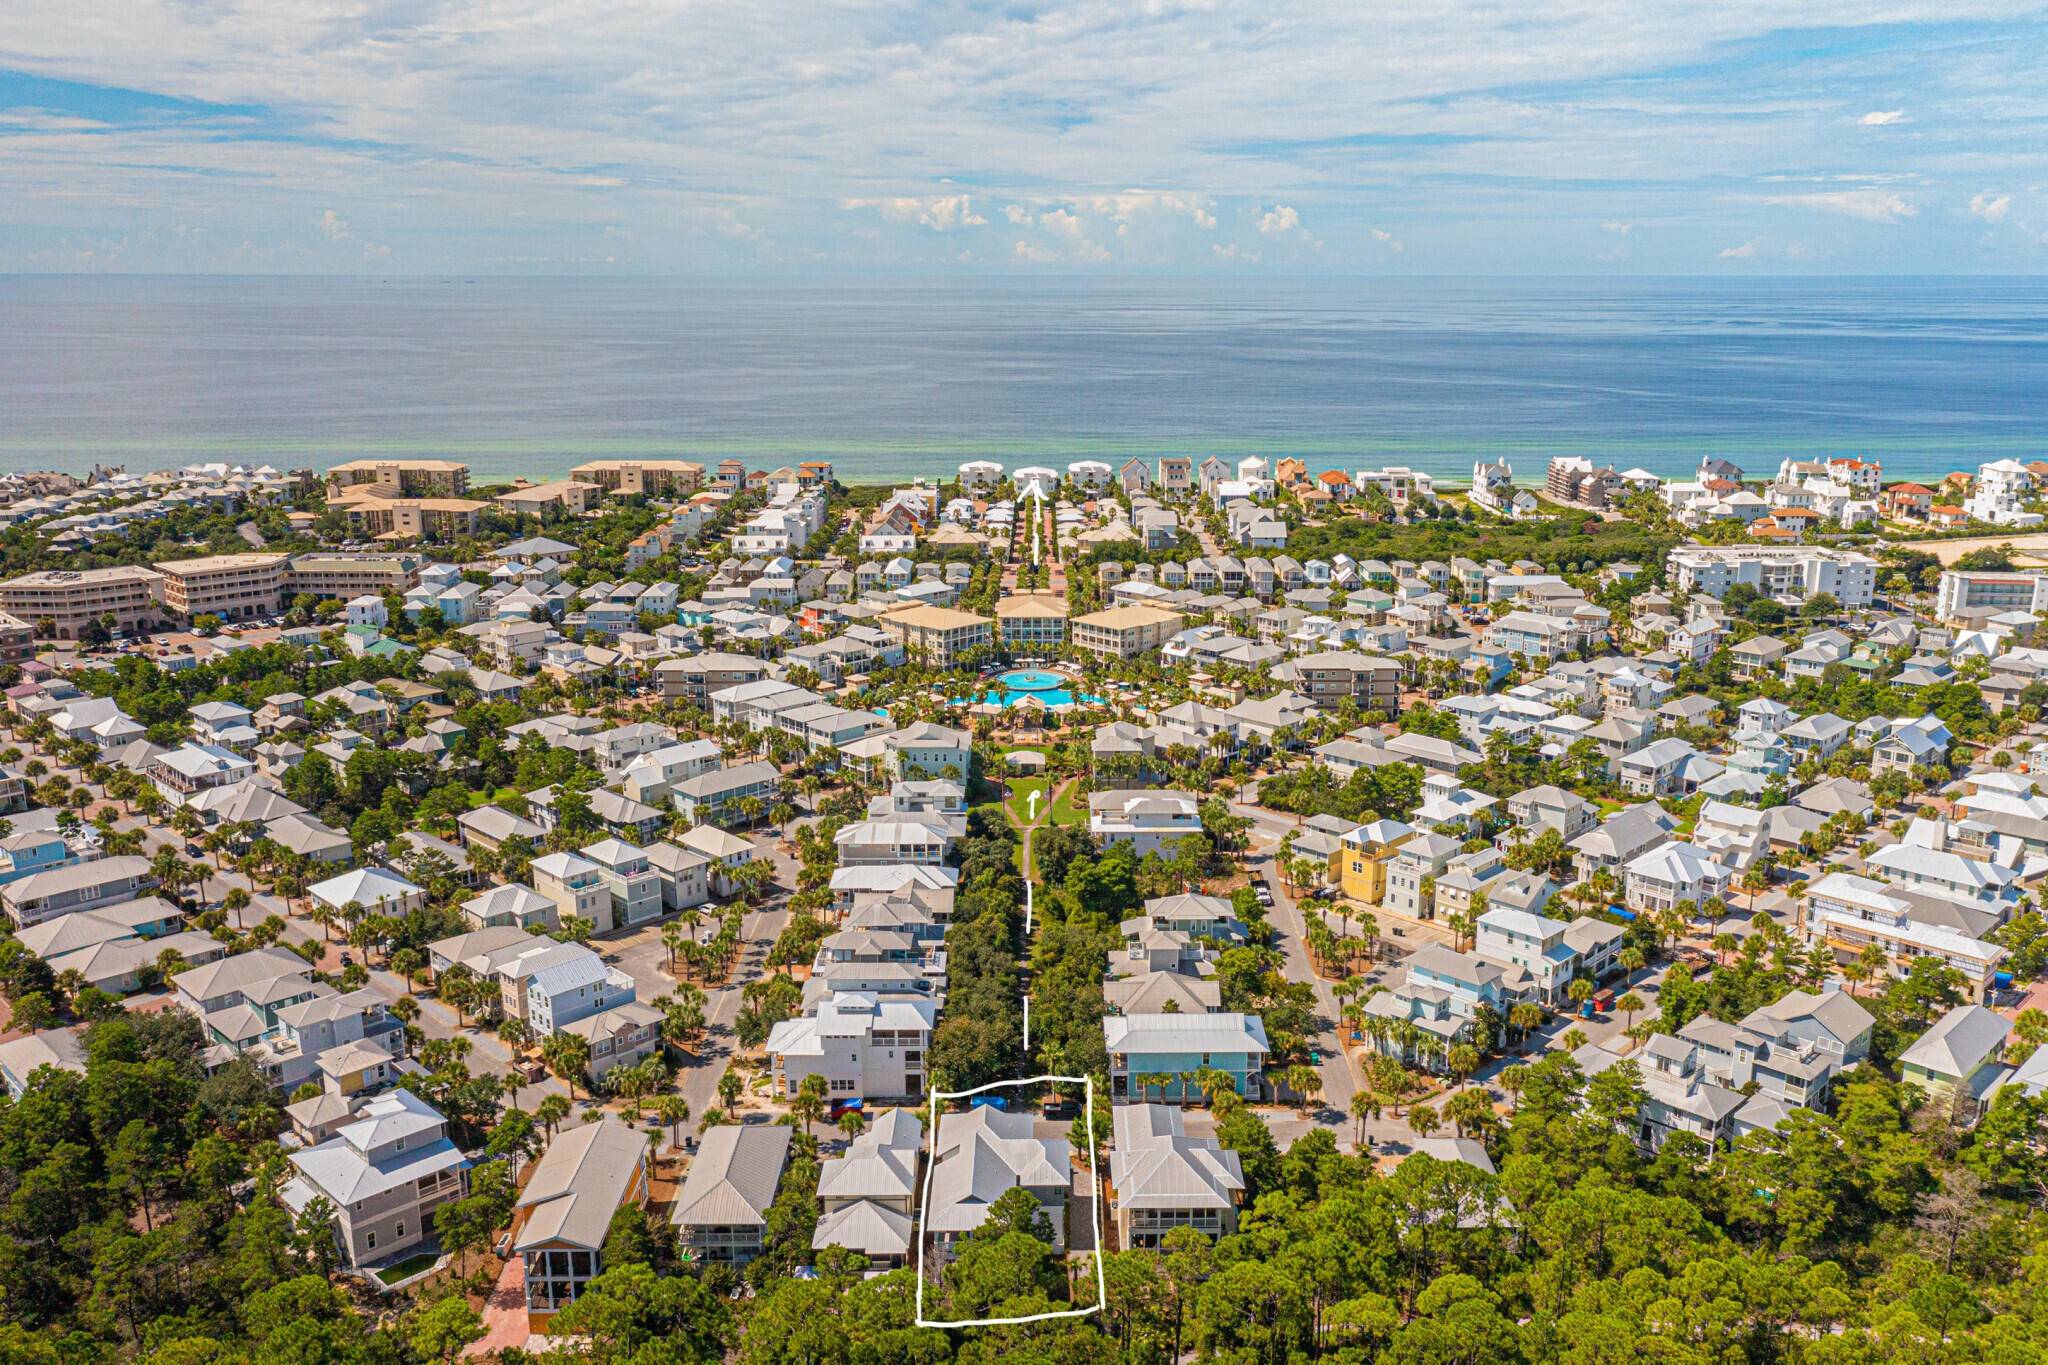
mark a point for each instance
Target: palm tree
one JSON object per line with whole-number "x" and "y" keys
{"x": 568, "y": 1056}
{"x": 1423, "y": 1120}
{"x": 1305, "y": 1081}
{"x": 1364, "y": 1105}
{"x": 729, "y": 1087}
{"x": 807, "y": 1106}
{"x": 1525, "y": 1018}
{"x": 1511, "y": 1081}
{"x": 408, "y": 963}
{"x": 853, "y": 1123}
{"x": 674, "y": 1111}
{"x": 1630, "y": 1005}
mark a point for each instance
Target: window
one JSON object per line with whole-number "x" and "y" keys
{"x": 371, "y": 1239}
{"x": 398, "y": 1231}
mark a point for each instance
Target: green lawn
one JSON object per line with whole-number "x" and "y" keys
{"x": 409, "y": 1267}
{"x": 1017, "y": 805}
{"x": 1067, "y": 811}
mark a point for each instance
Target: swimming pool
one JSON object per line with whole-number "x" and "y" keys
{"x": 1031, "y": 680}
{"x": 1044, "y": 687}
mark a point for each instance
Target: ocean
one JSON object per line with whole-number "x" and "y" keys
{"x": 896, "y": 378}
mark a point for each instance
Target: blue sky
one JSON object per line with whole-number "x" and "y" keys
{"x": 948, "y": 137}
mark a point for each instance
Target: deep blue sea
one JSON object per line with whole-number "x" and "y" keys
{"x": 901, "y": 377}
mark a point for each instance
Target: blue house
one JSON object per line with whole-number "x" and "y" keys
{"x": 1179, "y": 1045}
{"x": 35, "y": 850}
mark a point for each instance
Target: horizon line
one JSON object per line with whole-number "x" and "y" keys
{"x": 755, "y": 277}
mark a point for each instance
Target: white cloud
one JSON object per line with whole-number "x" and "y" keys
{"x": 1874, "y": 206}
{"x": 1745, "y": 252}
{"x": 1389, "y": 241}
{"x": 1131, "y": 203}
{"x": 1234, "y": 254}
{"x": 1036, "y": 253}
{"x": 472, "y": 111}
{"x": 1991, "y": 209}
{"x": 1618, "y": 229}
{"x": 942, "y": 214}
{"x": 1281, "y": 218}
{"x": 1065, "y": 223}
{"x": 333, "y": 227}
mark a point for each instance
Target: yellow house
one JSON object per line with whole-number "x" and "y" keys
{"x": 1360, "y": 863}
{"x": 352, "y": 1068}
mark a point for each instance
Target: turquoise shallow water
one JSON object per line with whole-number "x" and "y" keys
{"x": 899, "y": 378}
{"x": 1015, "y": 686}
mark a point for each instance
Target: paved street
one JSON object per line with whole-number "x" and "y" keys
{"x": 1340, "y": 1077}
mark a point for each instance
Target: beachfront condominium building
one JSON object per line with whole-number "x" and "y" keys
{"x": 653, "y": 478}
{"x": 1786, "y": 571}
{"x": 232, "y": 587}
{"x": 1125, "y": 632}
{"x": 61, "y": 603}
{"x": 343, "y": 577}
{"x": 413, "y": 518}
{"x": 1974, "y": 592}
{"x": 1574, "y": 479}
{"x": 401, "y": 478}
{"x": 939, "y": 635}
{"x": 572, "y": 496}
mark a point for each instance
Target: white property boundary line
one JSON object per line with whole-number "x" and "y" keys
{"x": 1094, "y": 1199}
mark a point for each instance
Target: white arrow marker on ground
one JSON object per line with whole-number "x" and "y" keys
{"x": 1031, "y": 805}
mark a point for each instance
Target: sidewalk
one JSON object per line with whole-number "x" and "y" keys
{"x": 504, "y": 1312}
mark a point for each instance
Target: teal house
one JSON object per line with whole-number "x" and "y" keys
{"x": 1143, "y": 1048}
